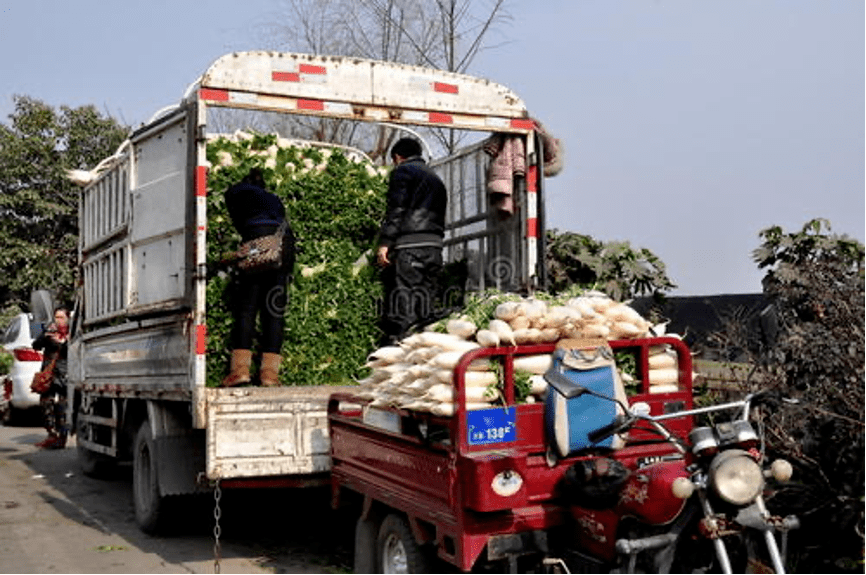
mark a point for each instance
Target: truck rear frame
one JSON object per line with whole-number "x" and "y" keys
{"x": 139, "y": 345}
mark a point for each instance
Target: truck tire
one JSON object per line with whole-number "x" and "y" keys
{"x": 397, "y": 551}
{"x": 9, "y": 415}
{"x": 364, "y": 555}
{"x": 150, "y": 506}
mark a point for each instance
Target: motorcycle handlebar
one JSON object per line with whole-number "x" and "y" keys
{"x": 616, "y": 426}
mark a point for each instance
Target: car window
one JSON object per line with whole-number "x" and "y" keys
{"x": 12, "y": 331}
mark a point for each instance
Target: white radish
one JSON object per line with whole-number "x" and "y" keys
{"x": 595, "y": 330}
{"x": 559, "y": 316}
{"x": 664, "y": 360}
{"x": 403, "y": 378}
{"x": 461, "y": 328}
{"x": 447, "y": 341}
{"x": 534, "y": 308}
{"x": 623, "y": 312}
{"x": 388, "y": 354}
{"x": 549, "y": 335}
{"x": 480, "y": 378}
{"x": 666, "y": 388}
{"x": 538, "y": 385}
{"x": 527, "y": 336}
{"x": 569, "y": 331}
{"x": 421, "y": 385}
{"x": 412, "y": 341}
{"x": 487, "y": 338}
{"x": 421, "y": 355}
{"x": 625, "y": 330}
{"x": 450, "y": 359}
{"x": 447, "y": 409}
{"x": 503, "y": 330}
{"x": 535, "y": 364}
{"x": 601, "y": 303}
{"x": 446, "y": 393}
{"x": 584, "y": 307}
{"x": 393, "y": 368}
{"x": 419, "y": 405}
{"x": 507, "y": 310}
{"x": 520, "y": 322}
{"x": 663, "y": 376}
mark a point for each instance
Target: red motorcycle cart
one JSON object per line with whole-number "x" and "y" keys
{"x": 484, "y": 486}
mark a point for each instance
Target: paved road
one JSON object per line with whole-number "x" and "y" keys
{"x": 53, "y": 519}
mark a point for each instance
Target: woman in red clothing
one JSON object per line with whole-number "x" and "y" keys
{"x": 53, "y": 401}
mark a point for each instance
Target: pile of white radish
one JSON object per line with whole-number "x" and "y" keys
{"x": 417, "y": 373}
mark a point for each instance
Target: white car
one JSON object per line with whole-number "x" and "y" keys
{"x": 15, "y": 394}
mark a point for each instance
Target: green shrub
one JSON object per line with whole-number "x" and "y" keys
{"x": 6, "y": 360}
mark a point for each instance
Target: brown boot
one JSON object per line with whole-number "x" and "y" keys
{"x": 240, "y": 368}
{"x": 269, "y": 375}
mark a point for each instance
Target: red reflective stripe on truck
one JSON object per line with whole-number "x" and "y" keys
{"x": 522, "y": 124}
{"x": 532, "y": 179}
{"x": 285, "y": 77}
{"x": 440, "y": 118}
{"x": 200, "y": 339}
{"x": 445, "y": 88}
{"x": 532, "y": 227}
{"x": 310, "y": 69}
{"x": 215, "y": 95}
{"x": 316, "y": 105}
{"x": 201, "y": 181}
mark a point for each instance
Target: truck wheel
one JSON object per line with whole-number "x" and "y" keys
{"x": 365, "y": 546}
{"x": 150, "y": 506}
{"x": 8, "y": 415}
{"x": 396, "y": 548}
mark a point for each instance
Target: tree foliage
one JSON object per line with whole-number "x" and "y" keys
{"x": 812, "y": 351}
{"x": 614, "y": 267}
{"x": 38, "y": 204}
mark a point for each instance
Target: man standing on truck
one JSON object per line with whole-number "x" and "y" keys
{"x": 410, "y": 241}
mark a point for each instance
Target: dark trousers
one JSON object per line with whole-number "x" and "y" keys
{"x": 411, "y": 286}
{"x": 264, "y": 295}
{"x": 53, "y": 405}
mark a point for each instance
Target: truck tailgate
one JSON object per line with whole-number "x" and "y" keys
{"x": 261, "y": 432}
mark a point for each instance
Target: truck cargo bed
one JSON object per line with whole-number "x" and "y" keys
{"x": 260, "y": 432}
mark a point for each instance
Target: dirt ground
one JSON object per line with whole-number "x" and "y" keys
{"x": 53, "y": 519}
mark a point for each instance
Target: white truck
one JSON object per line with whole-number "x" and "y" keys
{"x": 139, "y": 341}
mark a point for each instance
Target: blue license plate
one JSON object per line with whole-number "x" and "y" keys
{"x": 496, "y": 425}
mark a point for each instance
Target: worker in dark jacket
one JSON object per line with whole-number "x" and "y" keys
{"x": 410, "y": 241}
{"x": 256, "y": 212}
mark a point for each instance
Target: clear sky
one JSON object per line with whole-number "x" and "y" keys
{"x": 688, "y": 126}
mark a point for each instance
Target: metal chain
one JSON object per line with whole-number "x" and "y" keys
{"x": 217, "y": 530}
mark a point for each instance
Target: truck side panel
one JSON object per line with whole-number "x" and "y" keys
{"x": 138, "y": 356}
{"x": 494, "y": 247}
{"x": 161, "y": 210}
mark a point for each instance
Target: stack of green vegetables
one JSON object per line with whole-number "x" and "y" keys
{"x": 335, "y": 202}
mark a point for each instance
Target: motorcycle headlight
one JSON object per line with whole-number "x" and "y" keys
{"x": 736, "y": 477}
